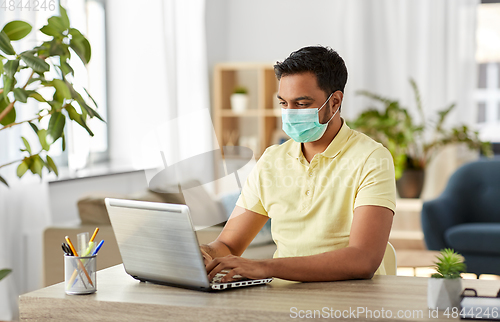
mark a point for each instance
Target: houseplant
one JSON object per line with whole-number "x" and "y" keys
{"x": 239, "y": 100}
{"x": 4, "y": 273}
{"x": 445, "y": 286}
{"x": 44, "y": 74}
{"x": 413, "y": 144}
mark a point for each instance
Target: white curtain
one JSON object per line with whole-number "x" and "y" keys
{"x": 24, "y": 207}
{"x": 386, "y": 42}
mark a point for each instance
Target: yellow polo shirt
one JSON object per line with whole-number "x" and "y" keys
{"x": 311, "y": 204}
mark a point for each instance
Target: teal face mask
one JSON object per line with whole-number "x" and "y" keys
{"x": 302, "y": 125}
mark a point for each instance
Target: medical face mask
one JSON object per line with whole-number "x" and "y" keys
{"x": 302, "y": 125}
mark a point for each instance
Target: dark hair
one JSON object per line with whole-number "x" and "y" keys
{"x": 324, "y": 62}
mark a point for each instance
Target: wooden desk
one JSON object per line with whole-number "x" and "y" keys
{"x": 121, "y": 298}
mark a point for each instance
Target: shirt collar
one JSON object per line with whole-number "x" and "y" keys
{"x": 333, "y": 149}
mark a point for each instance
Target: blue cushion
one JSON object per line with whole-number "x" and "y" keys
{"x": 477, "y": 238}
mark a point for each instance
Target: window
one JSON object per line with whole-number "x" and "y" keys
{"x": 82, "y": 151}
{"x": 488, "y": 83}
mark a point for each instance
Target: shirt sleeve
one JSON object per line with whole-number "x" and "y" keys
{"x": 377, "y": 185}
{"x": 250, "y": 197}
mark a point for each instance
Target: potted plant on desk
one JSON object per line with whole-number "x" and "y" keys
{"x": 445, "y": 286}
{"x": 412, "y": 144}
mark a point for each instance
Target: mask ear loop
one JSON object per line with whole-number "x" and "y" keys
{"x": 333, "y": 113}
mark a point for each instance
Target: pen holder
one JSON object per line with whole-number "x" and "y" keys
{"x": 80, "y": 274}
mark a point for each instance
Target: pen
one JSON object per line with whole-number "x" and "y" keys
{"x": 78, "y": 261}
{"x": 96, "y": 250}
{"x": 98, "y": 247}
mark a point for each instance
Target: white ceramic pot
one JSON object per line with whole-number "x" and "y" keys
{"x": 239, "y": 103}
{"x": 443, "y": 293}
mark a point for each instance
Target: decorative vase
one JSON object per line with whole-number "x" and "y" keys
{"x": 443, "y": 293}
{"x": 239, "y": 103}
{"x": 411, "y": 183}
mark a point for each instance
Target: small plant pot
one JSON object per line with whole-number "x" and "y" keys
{"x": 443, "y": 293}
{"x": 239, "y": 103}
{"x": 411, "y": 183}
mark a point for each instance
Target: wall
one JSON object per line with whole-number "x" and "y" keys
{"x": 382, "y": 42}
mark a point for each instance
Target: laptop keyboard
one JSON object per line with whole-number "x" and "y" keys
{"x": 218, "y": 277}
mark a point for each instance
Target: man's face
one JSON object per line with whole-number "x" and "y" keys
{"x": 302, "y": 91}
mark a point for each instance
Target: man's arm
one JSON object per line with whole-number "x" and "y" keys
{"x": 241, "y": 228}
{"x": 360, "y": 259}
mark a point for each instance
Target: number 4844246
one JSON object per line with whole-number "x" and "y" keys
{"x": 472, "y": 313}
{"x": 28, "y": 5}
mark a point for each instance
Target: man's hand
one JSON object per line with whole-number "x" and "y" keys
{"x": 236, "y": 265}
{"x": 206, "y": 256}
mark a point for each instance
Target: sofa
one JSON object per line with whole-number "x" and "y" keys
{"x": 466, "y": 216}
{"x": 208, "y": 215}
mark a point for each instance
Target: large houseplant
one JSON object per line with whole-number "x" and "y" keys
{"x": 4, "y": 273}
{"x": 445, "y": 286}
{"x": 413, "y": 144}
{"x": 30, "y": 75}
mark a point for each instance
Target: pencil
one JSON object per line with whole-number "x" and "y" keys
{"x": 78, "y": 261}
{"x": 95, "y": 233}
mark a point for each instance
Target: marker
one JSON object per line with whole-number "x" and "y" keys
{"x": 91, "y": 243}
{"x": 78, "y": 261}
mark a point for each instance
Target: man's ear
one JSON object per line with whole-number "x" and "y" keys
{"x": 338, "y": 96}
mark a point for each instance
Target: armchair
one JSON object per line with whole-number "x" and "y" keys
{"x": 466, "y": 216}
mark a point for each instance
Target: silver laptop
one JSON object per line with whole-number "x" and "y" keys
{"x": 158, "y": 244}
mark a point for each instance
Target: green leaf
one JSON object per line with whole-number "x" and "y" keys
{"x": 88, "y": 109}
{"x": 4, "y": 272}
{"x": 26, "y": 144}
{"x": 17, "y": 29}
{"x": 23, "y": 167}
{"x": 57, "y": 23}
{"x": 95, "y": 103}
{"x": 5, "y": 44}
{"x": 80, "y": 45}
{"x": 75, "y": 116}
{"x": 56, "y": 127}
{"x": 11, "y": 67}
{"x": 76, "y": 34}
{"x": 36, "y": 63}
{"x": 42, "y": 137}
{"x": 66, "y": 69}
{"x": 34, "y": 127}
{"x": 62, "y": 91}
{"x": 64, "y": 17}
{"x": 37, "y": 165}
{"x": 56, "y": 105}
{"x": 52, "y": 165}
{"x": 21, "y": 95}
{"x": 11, "y": 116}
{"x": 7, "y": 86}
{"x": 1, "y": 66}
{"x": 63, "y": 143}
{"x": 50, "y": 30}
{"x": 58, "y": 49}
{"x": 36, "y": 96}
{"x": 2, "y": 180}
